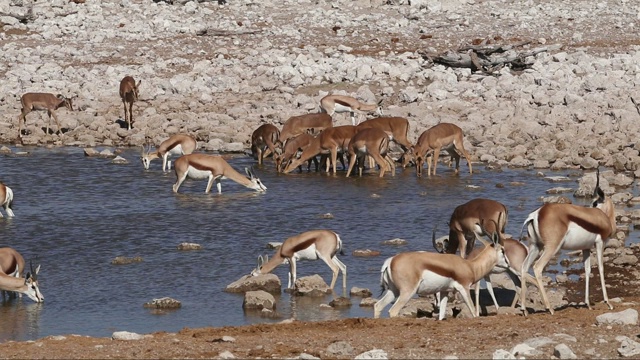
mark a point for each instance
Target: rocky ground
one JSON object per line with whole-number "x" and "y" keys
{"x": 219, "y": 71}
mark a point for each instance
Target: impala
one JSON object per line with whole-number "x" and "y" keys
{"x": 282, "y": 157}
{"x": 309, "y": 123}
{"x": 443, "y": 135}
{"x": 265, "y": 136}
{"x": 129, "y": 95}
{"x": 332, "y": 141}
{"x": 213, "y": 168}
{"x": 396, "y": 128}
{"x": 11, "y": 269}
{"x": 375, "y": 143}
{"x": 178, "y": 144}
{"x": 40, "y": 102}
{"x": 310, "y": 245}
{"x": 405, "y": 274}
{"x": 6, "y": 199}
{"x": 553, "y": 227}
{"x": 332, "y": 104}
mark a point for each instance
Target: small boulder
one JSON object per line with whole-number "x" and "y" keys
{"x": 396, "y": 241}
{"x": 119, "y": 160}
{"x": 312, "y": 285}
{"x": 366, "y": 253}
{"x": 123, "y": 260}
{"x": 267, "y": 282}
{"x": 362, "y": 292}
{"x": 125, "y": 335}
{"x": 163, "y": 303}
{"x": 189, "y": 246}
{"x": 340, "y": 302}
{"x": 368, "y": 302}
{"x": 626, "y": 317}
{"x": 258, "y": 300}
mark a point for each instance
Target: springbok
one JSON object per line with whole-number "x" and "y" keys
{"x": 442, "y": 136}
{"x": 332, "y": 104}
{"x": 553, "y": 227}
{"x": 405, "y": 274}
{"x": 282, "y": 157}
{"x": 129, "y": 95}
{"x": 213, "y": 168}
{"x": 178, "y": 144}
{"x": 263, "y": 141}
{"x": 11, "y": 270}
{"x": 6, "y": 199}
{"x": 332, "y": 141}
{"x": 40, "y": 102}
{"x": 309, "y": 245}
{"x": 372, "y": 142}
{"x": 515, "y": 252}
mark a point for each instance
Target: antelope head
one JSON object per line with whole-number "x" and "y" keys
{"x": 31, "y": 283}
{"x": 64, "y": 102}
{"x": 261, "y": 261}
{"x": 440, "y": 244}
{"x": 256, "y": 184}
{"x": 144, "y": 157}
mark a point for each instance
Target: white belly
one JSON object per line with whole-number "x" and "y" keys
{"x": 341, "y": 108}
{"x": 577, "y": 238}
{"x": 177, "y": 150}
{"x": 196, "y": 174}
{"x": 307, "y": 254}
{"x": 433, "y": 283}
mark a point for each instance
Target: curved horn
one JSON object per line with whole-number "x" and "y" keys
{"x": 34, "y": 273}
{"x": 433, "y": 241}
{"x": 598, "y": 194}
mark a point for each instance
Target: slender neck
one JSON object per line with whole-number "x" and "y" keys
{"x": 482, "y": 264}
{"x": 231, "y": 173}
{"x": 274, "y": 262}
{"x": 10, "y": 283}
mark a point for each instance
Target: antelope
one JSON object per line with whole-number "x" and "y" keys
{"x": 129, "y": 95}
{"x": 40, "y": 102}
{"x": 465, "y": 224}
{"x": 282, "y": 157}
{"x": 6, "y": 199}
{"x": 395, "y": 127}
{"x": 375, "y": 143}
{"x": 332, "y": 104}
{"x": 515, "y": 252}
{"x": 178, "y": 144}
{"x": 265, "y": 135}
{"x": 309, "y": 245}
{"x": 553, "y": 227}
{"x": 443, "y": 135}
{"x": 333, "y": 140}
{"x": 406, "y": 274}
{"x": 213, "y": 168}
{"x": 11, "y": 269}
{"x": 297, "y": 125}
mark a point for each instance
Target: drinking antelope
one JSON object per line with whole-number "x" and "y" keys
{"x": 405, "y": 274}
{"x": 213, "y": 168}
{"x": 296, "y": 145}
{"x": 129, "y": 95}
{"x": 265, "y": 136}
{"x": 11, "y": 270}
{"x": 332, "y": 141}
{"x": 396, "y": 128}
{"x": 308, "y": 123}
{"x": 553, "y": 227}
{"x": 332, "y": 104}
{"x": 6, "y": 198}
{"x": 465, "y": 224}
{"x": 40, "y": 102}
{"x": 375, "y": 143}
{"x": 310, "y": 245}
{"x": 178, "y": 144}
{"x": 443, "y": 135}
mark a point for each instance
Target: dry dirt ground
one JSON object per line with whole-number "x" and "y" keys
{"x": 398, "y": 337}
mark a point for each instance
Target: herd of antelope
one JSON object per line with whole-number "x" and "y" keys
{"x": 303, "y": 138}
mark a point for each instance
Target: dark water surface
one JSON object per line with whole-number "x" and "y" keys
{"x": 75, "y": 214}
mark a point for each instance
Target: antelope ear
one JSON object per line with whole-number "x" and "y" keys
{"x": 138, "y": 84}
{"x": 249, "y": 174}
{"x": 60, "y": 96}
{"x": 266, "y": 258}
{"x": 37, "y": 270}
{"x": 260, "y": 261}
